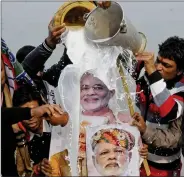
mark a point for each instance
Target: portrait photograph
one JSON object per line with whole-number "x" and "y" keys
{"x": 112, "y": 150}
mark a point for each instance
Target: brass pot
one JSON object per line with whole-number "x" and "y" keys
{"x": 72, "y": 13}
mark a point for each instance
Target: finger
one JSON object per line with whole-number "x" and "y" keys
{"x": 47, "y": 110}
{"x": 45, "y": 160}
{"x": 45, "y": 172}
{"x": 33, "y": 125}
{"x": 135, "y": 123}
{"x": 33, "y": 120}
{"x": 100, "y": 4}
{"x": 51, "y": 24}
{"x": 26, "y": 121}
{"x": 51, "y": 109}
{"x": 59, "y": 33}
{"x": 58, "y": 109}
{"x": 106, "y": 4}
{"x": 145, "y": 56}
{"x": 141, "y": 58}
{"x": 46, "y": 166}
{"x": 58, "y": 28}
{"x": 145, "y": 53}
{"x": 143, "y": 154}
{"x": 143, "y": 151}
{"x": 137, "y": 117}
{"x": 145, "y": 146}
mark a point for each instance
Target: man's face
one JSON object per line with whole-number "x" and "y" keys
{"x": 167, "y": 68}
{"x": 3, "y": 76}
{"x": 110, "y": 160}
{"x": 94, "y": 93}
{"x": 32, "y": 125}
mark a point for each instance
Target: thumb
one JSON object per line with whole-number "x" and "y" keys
{"x": 135, "y": 123}
{"x": 136, "y": 117}
{"x": 51, "y": 24}
{"x": 46, "y": 161}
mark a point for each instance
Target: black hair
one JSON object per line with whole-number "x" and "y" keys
{"x": 26, "y": 93}
{"x": 23, "y": 52}
{"x": 173, "y": 49}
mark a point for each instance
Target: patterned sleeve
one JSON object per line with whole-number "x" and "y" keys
{"x": 36, "y": 59}
{"x": 170, "y": 105}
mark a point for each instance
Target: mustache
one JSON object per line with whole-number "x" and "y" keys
{"x": 90, "y": 97}
{"x": 113, "y": 164}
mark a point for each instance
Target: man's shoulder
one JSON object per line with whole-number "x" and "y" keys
{"x": 179, "y": 87}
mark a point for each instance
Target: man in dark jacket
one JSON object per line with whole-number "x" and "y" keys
{"x": 10, "y": 116}
{"x": 50, "y": 75}
{"x": 33, "y": 60}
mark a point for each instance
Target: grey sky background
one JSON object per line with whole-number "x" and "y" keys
{"x": 26, "y": 22}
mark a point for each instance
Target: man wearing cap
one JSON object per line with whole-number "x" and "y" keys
{"x": 111, "y": 149}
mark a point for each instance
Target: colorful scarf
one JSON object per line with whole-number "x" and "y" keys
{"x": 13, "y": 69}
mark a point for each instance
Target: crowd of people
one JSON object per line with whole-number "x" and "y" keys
{"x": 27, "y": 116}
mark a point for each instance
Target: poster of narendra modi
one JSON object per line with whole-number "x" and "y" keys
{"x": 112, "y": 150}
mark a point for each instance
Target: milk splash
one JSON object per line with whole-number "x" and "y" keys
{"x": 85, "y": 56}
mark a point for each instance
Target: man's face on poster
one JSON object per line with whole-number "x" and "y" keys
{"x": 111, "y": 160}
{"x": 94, "y": 93}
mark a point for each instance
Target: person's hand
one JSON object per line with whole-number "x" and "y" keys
{"x": 139, "y": 122}
{"x": 45, "y": 167}
{"x": 58, "y": 118}
{"x": 104, "y": 4}
{"x": 55, "y": 34}
{"x": 149, "y": 62}
{"x": 49, "y": 110}
{"x": 143, "y": 151}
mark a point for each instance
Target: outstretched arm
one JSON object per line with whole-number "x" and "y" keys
{"x": 167, "y": 138}
{"x": 35, "y": 60}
